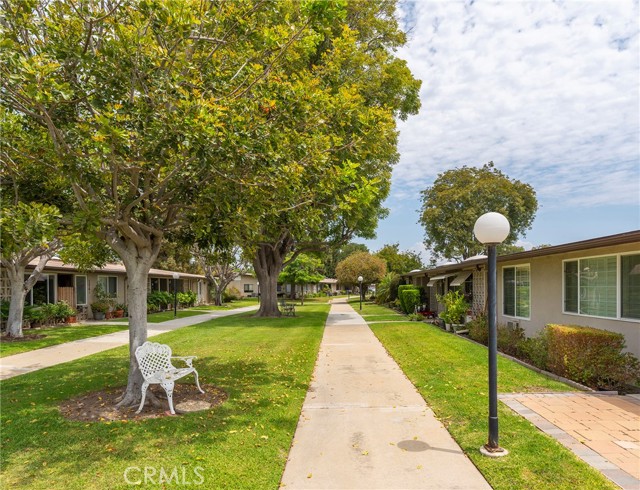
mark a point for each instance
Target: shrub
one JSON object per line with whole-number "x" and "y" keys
{"x": 455, "y": 307}
{"x": 231, "y": 294}
{"x": 410, "y": 298}
{"x": 535, "y": 350}
{"x": 510, "y": 339}
{"x": 160, "y": 299}
{"x": 401, "y": 289}
{"x": 479, "y": 329}
{"x": 415, "y": 317}
{"x": 187, "y": 299}
{"x": 385, "y": 289}
{"x": 591, "y": 356}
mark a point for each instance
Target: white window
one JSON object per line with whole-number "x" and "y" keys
{"x": 81, "y": 290}
{"x": 516, "y": 287}
{"x": 109, "y": 285}
{"x": 591, "y": 286}
{"x": 248, "y": 288}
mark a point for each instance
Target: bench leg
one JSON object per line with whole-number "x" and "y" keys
{"x": 145, "y": 385}
{"x": 168, "y": 387}
{"x": 195, "y": 373}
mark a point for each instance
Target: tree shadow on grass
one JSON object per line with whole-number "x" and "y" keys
{"x": 36, "y": 436}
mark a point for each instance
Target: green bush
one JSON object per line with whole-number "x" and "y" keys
{"x": 160, "y": 299}
{"x": 591, "y": 356}
{"x": 455, "y": 307}
{"x": 401, "y": 289}
{"x": 479, "y": 329}
{"x": 409, "y": 298}
{"x": 535, "y": 350}
{"x": 231, "y": 294}
{"x": 387, "y": 289}
{"x": 187, "y": 299}
{"x": 510, "y": 339}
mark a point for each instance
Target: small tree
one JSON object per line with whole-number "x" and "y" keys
{"x": 301, "y": 271}
{"x": 29, "y": 231}
{"x": 221, "y": 266}
{"x": 371, "y": 268}
{"x": 458, "y": 197}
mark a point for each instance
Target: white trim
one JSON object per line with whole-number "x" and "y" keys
{"x": 516, "y": 266}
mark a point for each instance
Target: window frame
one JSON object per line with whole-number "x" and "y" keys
{"x": 248, "y": 287}
{"x": 106, "y": 290}
{"x": 618, "y": 272}
{"x": 515, "y": 268}
{"x": 86, "y": 289}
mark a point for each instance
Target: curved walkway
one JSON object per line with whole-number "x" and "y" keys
{"x": 364, "y": 425}
{"x": 27, "y": 362}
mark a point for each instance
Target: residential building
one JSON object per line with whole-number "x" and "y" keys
{"x": 593, "y": 283}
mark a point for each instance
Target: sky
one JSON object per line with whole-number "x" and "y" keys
{"x": 547, "y": 90}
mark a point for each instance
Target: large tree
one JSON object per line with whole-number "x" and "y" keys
{"x": 337, "y": 254}
{"x": 458, "y": 197}
{"x": 221, "y": 266}
{"x": 397, "y": 261}
{"x": 141, "y": 101}
{"x": 319, "y": 152}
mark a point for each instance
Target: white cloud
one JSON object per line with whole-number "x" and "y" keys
{"x": 547, "y": 90}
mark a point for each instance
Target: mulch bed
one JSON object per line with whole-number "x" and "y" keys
{"x": 100, "y": 406}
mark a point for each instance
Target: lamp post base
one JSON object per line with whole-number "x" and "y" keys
{"x": 492, "y": 452}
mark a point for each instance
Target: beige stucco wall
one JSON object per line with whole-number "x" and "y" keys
{"x": 547, "y": 296}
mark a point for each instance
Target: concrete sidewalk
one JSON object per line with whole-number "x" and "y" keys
{"x": 365, "y": 426}
{"x": 57, "y": 354}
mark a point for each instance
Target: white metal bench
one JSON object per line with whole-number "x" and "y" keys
{"x": 154, "y": 360}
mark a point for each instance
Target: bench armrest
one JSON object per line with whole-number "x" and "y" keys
{"x": 187, "y": 359}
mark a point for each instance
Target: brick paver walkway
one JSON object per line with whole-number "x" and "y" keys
{"x": 603, "y": 430}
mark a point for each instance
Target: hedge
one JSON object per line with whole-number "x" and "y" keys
{"x": 410, "y": 299}
{"x": 401, "y": 289}
{"x": 590, "y": 356}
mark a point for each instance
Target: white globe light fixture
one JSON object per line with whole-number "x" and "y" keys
{"x": 360, "y": 279}
{"x": 491, "y": 229}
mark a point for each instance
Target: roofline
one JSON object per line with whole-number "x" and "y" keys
{"x": 600, "y": 242}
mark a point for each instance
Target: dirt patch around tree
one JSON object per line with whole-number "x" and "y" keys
{"x": 100, "y": 406}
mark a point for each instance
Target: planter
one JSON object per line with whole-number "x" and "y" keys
{"x": 448, "y": 327}
{"x": 118, "y": 313}
{"x": 98, "y": 315}
{"x": 72, "y": 319}
{"x": 109, "y": 315}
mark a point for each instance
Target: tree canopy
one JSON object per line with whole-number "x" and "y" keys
{"x": 397, "y": 261}
{"x": 458, "y": 197}
{"x": 371, "y": 268}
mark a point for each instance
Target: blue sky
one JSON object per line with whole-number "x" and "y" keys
{"x": 549, "y": 91}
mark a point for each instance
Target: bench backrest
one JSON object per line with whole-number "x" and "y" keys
{"x": 153, "y": 357}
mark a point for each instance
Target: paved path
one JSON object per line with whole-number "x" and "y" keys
{"x": 27, "y": 362}
{"x": 603, "y": 430}
{"x": 365, "y": 426}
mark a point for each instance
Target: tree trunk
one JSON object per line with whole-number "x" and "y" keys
{"x": 18, "y": 294}
{"x": 268, "y": 265}
{"x": 137, "y": 264}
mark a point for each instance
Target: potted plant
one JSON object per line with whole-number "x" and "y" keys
{"x": 455, "y": 309}
{"x": 99, "y": 309}
{"x": 118, "y": 310}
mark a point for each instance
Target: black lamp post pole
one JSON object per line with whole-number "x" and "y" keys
{"x": 493, "y": 351}
{"x": 360, "y": 295}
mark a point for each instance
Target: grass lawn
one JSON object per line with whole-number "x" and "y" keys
{"x": 265, "y": 366}
{"x": 240, "y": 303}
{"x": 451, "y": 375}
{"x": 55, "y": 336}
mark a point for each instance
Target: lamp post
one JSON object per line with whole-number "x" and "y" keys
{"x": 258, "y": 285}
{"x": 176, "y": 276}
{"x": 491, "y": 229}
{"x": 360, "y": 279}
